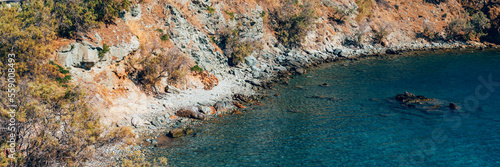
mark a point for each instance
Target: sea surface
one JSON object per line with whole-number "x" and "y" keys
{"x": 355, "y": 122}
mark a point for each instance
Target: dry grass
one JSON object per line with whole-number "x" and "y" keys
{"x": 364, "y": 9}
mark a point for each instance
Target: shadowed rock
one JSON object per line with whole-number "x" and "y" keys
{"x": 179, "y": 132}
{"x": 190, "y": 113}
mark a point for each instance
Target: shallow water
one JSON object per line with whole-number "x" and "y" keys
{"x": 360, "y": 127}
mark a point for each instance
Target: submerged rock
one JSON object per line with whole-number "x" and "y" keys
{"x": 237, "y": 112}
{"x": 425, "y": 104}
{"x": 238, "y": 105}
{"x": 324, "y": 85}
{"x": 293, "y": 111}
{"x": 410, "y": 98}
{"x": 176, "y": 133}
{"x": 453, "y": 106}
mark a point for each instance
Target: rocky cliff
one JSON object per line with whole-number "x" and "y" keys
{"x": 243, "y": 45}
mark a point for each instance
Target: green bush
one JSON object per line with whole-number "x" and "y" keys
{"x": 61, "y": 80}
{"x": 292, "y": 21}
{"x": 165, "y": 37}
{"x": 231, "y": 14}
{"x": 481, "y": 23}
{"x": 210, "y": 9}
{"x": 104, "y": 50}
{"x": 78, "y": 16}
{"x": 197, "y": 68}
{"x": 473, "y": 29}
{"x": 54, "y": 121}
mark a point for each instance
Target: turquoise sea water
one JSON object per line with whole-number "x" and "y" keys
{"x": 361, "y": 128}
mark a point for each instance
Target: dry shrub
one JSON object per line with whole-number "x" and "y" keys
{"x": 339, "y": 15}
{"x": 235, "y": 47}
{"x": 208, "y": 80}
{"x": 151, "y": 69}
{"x": 381, "y": 35}
{"x": 292, "y": 21}
{"x": 365, "y": 9}
{"x": 429, "y": 32}
{"x": 383, "y": 3}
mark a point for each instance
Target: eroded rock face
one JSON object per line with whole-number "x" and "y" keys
{"x": 193, "y": 42}
{"x": 118, "y": 52}
{"x": 81, "y": 54}
{"x": 85, "y": 54}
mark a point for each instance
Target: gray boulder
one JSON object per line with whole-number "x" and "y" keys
{"x": 81, "y": 54}
{"x": 137, "y": 122}
{"x": 221, "y": 107}
{"x": 205, "y": 109}
{"x": 135, "y": 10}
{"x": 190, "y": 112}
{"x": 250, "y": 61}
{"x": 118, "y": 52}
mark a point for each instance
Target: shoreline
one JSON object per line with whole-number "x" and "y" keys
{"x": 148, "y": 134}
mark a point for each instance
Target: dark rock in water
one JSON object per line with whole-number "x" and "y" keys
{"x": 238, "y": 105}
{"x": 324, "y": 85}
{"x": 317, "y": 97}
{"x": 300, "y": 87}
{"x": 179, "y": 132}
{"x": 277, "y": 95}
{"x": 322, "y": 97}
{"x": 410, "y": 98}
{"x": 293, "y": 111}
{"x": 426, "y": 105}
{"x": 245, "y": 98}
{"x": 188, "y": 131}
{"x": 176, "y": 133}
{"x": 300, "y": 71}
{"x": 237, "y": 112}
{"x": 453, "y": 106}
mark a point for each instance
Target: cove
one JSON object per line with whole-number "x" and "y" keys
{"x": 341, "y": 114}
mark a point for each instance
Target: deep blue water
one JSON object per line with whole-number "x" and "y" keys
{"x": 362, "y": 128}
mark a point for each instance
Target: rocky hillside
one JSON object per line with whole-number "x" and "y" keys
{"x": 137, "y": 63}
{"x": 244, "y": 43}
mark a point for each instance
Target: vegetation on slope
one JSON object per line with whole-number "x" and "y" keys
{"x": 53, "y": 121}
{"x": 235, "y": 47}
{"x": 292, "y": 21}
